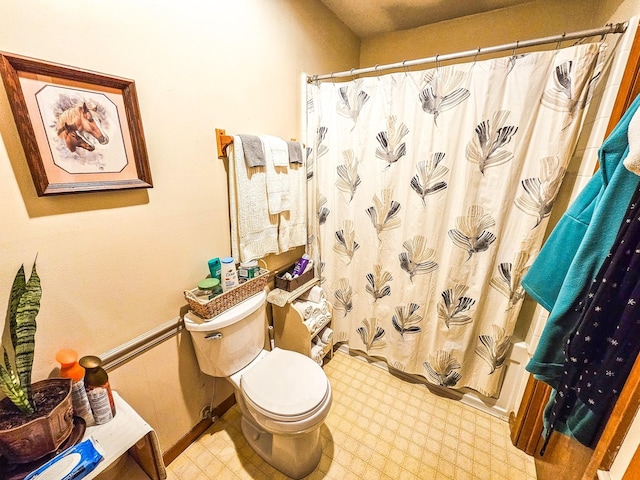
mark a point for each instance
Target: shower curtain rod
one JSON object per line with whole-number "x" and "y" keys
{"x": 609, "y": 28}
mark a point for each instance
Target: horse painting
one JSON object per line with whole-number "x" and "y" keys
{"x": 75, "y": 124}
{"x": 73, "y": 139}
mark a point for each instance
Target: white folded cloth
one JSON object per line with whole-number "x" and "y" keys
{"x": 326, "y": 335}
{"x": 316, "y": 353}
{"x": 292, "y": 230}
{"x": 276, "y": 154}
{"x": 314, "y": 294}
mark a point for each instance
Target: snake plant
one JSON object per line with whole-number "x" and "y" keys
{"x": 24, "y": 306}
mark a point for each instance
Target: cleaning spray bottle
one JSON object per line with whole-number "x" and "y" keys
{"x": 96, "y": 383}
{"x": 69, "y": 368}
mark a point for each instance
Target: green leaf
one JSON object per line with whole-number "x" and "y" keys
{"x": 10, "y": 385}
{"x": 25, "y": 330}
{"x": 17, "y": 290}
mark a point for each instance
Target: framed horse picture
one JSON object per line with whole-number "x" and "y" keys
{"x": 81, "y": 131}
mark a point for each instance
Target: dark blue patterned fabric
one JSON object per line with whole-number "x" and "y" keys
{"x": 603, "y": 349}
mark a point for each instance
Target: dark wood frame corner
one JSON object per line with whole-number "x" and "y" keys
{"x": 11, "y": 66}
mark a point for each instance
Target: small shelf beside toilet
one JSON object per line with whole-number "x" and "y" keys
{"x": 292, "y": 331}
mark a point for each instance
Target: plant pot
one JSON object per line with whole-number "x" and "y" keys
{"x": 42, "y": 435}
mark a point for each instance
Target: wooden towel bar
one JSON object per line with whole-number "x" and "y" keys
{"x": 223, "y": 142}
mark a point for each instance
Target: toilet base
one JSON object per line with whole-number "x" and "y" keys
{"x": 294, "y": 455}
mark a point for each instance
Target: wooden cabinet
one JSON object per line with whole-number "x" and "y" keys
{"x": 299, "y": 325}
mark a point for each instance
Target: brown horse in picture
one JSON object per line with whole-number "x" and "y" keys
{"x": 73, "y": 139}
{"x": 76, "y": 123}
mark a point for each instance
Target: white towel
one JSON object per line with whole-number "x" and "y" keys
{"x": 632, "y": 160}
{"x": 326, "y": 335}
{"x": 316, "y": 353}
{"x": 315, "y": 294}
{"x": 254, "y": 232}
{"x": 276, "y": 154}
{"x": 292, "y": 231}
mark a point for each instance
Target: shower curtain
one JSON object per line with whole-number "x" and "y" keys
{"x": 429, "y": 196}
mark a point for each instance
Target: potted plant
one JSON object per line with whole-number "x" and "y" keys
{"x": 34, "y": 419}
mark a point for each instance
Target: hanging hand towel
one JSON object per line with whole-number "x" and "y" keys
{"x": 295, "y": 152}
{"x": 292, "y": 230}
{"x": 277, "y": 162}
{"x": 253, "y": 152}
{"x": 254, "y": 232}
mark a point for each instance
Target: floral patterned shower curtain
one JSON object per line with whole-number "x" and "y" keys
{"x": 429, "y": 196}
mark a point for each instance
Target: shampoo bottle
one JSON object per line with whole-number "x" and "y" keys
{"x": 69, "y": 368}
{"x": 96, "y": 383}
{"x": 301, "y": 265}
{"x": 229, "y": 274}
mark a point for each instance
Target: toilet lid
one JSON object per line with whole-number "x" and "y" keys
{"x": 285, "y": 383}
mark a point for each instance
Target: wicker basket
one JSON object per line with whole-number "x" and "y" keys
{"x": 210, "y": 308}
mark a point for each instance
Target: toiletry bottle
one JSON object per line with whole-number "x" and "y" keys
{"x": 229, "y": 274}
{"x": 215, "y": 269}
{"x": 301, "y": 264}
{"x": 96, "y": 383}
{"x": 69, "y": 368}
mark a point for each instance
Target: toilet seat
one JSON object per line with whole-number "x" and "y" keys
{"x": 286, "y": 386}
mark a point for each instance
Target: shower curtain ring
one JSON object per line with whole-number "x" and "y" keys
{"x": 375, "y": 69}
{"x": 406, "y": 70}
{"x": 561, "y": 40}
{"x": 333, "y": 78}
{"x": 513, "y": 54}
{"x": 352, "y": 74}
{"x": 603, "y": 37}
{"x": 475, "y": 57}
{"x": 437, "y": 63}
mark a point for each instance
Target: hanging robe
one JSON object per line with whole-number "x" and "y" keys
{"x": 576, "y": 248}
{"x": 604, "y": 347}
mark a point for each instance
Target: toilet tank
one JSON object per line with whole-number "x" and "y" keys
{"x": 228, "y": 342}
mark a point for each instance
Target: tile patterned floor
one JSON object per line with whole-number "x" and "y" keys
{"x": 379, "y": 427}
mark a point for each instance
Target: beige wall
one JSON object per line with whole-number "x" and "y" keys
{"x": 611, "y": 11}
{"x": 114, "y": 264}
{"x": 536, "y": 19}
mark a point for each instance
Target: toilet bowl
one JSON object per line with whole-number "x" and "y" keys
{"x": 283, "y": 396}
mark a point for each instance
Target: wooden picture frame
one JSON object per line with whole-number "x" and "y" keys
{"x": 81, "y": 131}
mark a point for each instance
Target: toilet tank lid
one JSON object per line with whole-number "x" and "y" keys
{"x": 285, "y": 383}
{"x": 194, "y": 323}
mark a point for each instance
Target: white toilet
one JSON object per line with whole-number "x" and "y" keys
{"x": 283, "y": 396}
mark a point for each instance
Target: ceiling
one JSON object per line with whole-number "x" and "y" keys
{"x": 372, "y": 17}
